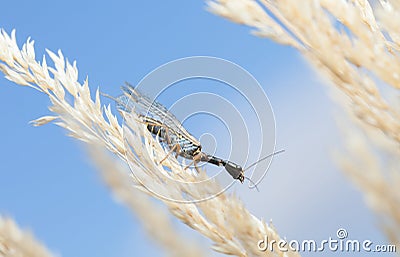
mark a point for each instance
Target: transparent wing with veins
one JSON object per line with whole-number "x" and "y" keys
{"x": 134, "y": 100}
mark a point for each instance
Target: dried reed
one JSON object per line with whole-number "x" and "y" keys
{"x": 350, "y": 55}
{"x": 223, "y": 219}
{"x": 15, "y": 242}
{"x": 355, "y": 44}
{"x": 154, "y": 219}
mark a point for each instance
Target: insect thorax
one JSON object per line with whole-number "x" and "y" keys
{"x": 188, "y": 148}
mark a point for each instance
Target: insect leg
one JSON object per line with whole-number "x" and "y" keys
{"x": 197, "y": 168}
{"x": 162, "y": 131}
{"x": 176, "y": 148}
{"x": 196, "y": 159}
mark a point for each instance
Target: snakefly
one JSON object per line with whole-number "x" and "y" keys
{"x": 162, "y": 123}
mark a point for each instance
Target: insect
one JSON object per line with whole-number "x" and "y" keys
{"x": 162, "y": 123}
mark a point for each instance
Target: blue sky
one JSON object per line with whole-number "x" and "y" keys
{"x": 47, "y": 182}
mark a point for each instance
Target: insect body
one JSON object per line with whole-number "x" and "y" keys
{"x": 184, "y": 146}
{"x": 170, "y": 131}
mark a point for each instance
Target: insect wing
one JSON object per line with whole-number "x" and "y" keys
{"x": 133, "y": 100}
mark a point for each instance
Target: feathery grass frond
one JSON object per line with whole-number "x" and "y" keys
{"x": 365, "y": 168}
{"x": 356, "y": 45}
{"x": 223, "y": 219}
{"x": 153, "y": 218}
{"x": 343, "y": 40}
{"x": 15, "y": 242}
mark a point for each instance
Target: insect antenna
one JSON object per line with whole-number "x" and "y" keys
{"x": 254, "y": 185}
{"x": 262, "y": 159}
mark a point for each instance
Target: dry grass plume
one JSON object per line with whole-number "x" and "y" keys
{"x": 223, "y": 219}
{"x": 15, "y": 242}
{"x": 355, "y": 44}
